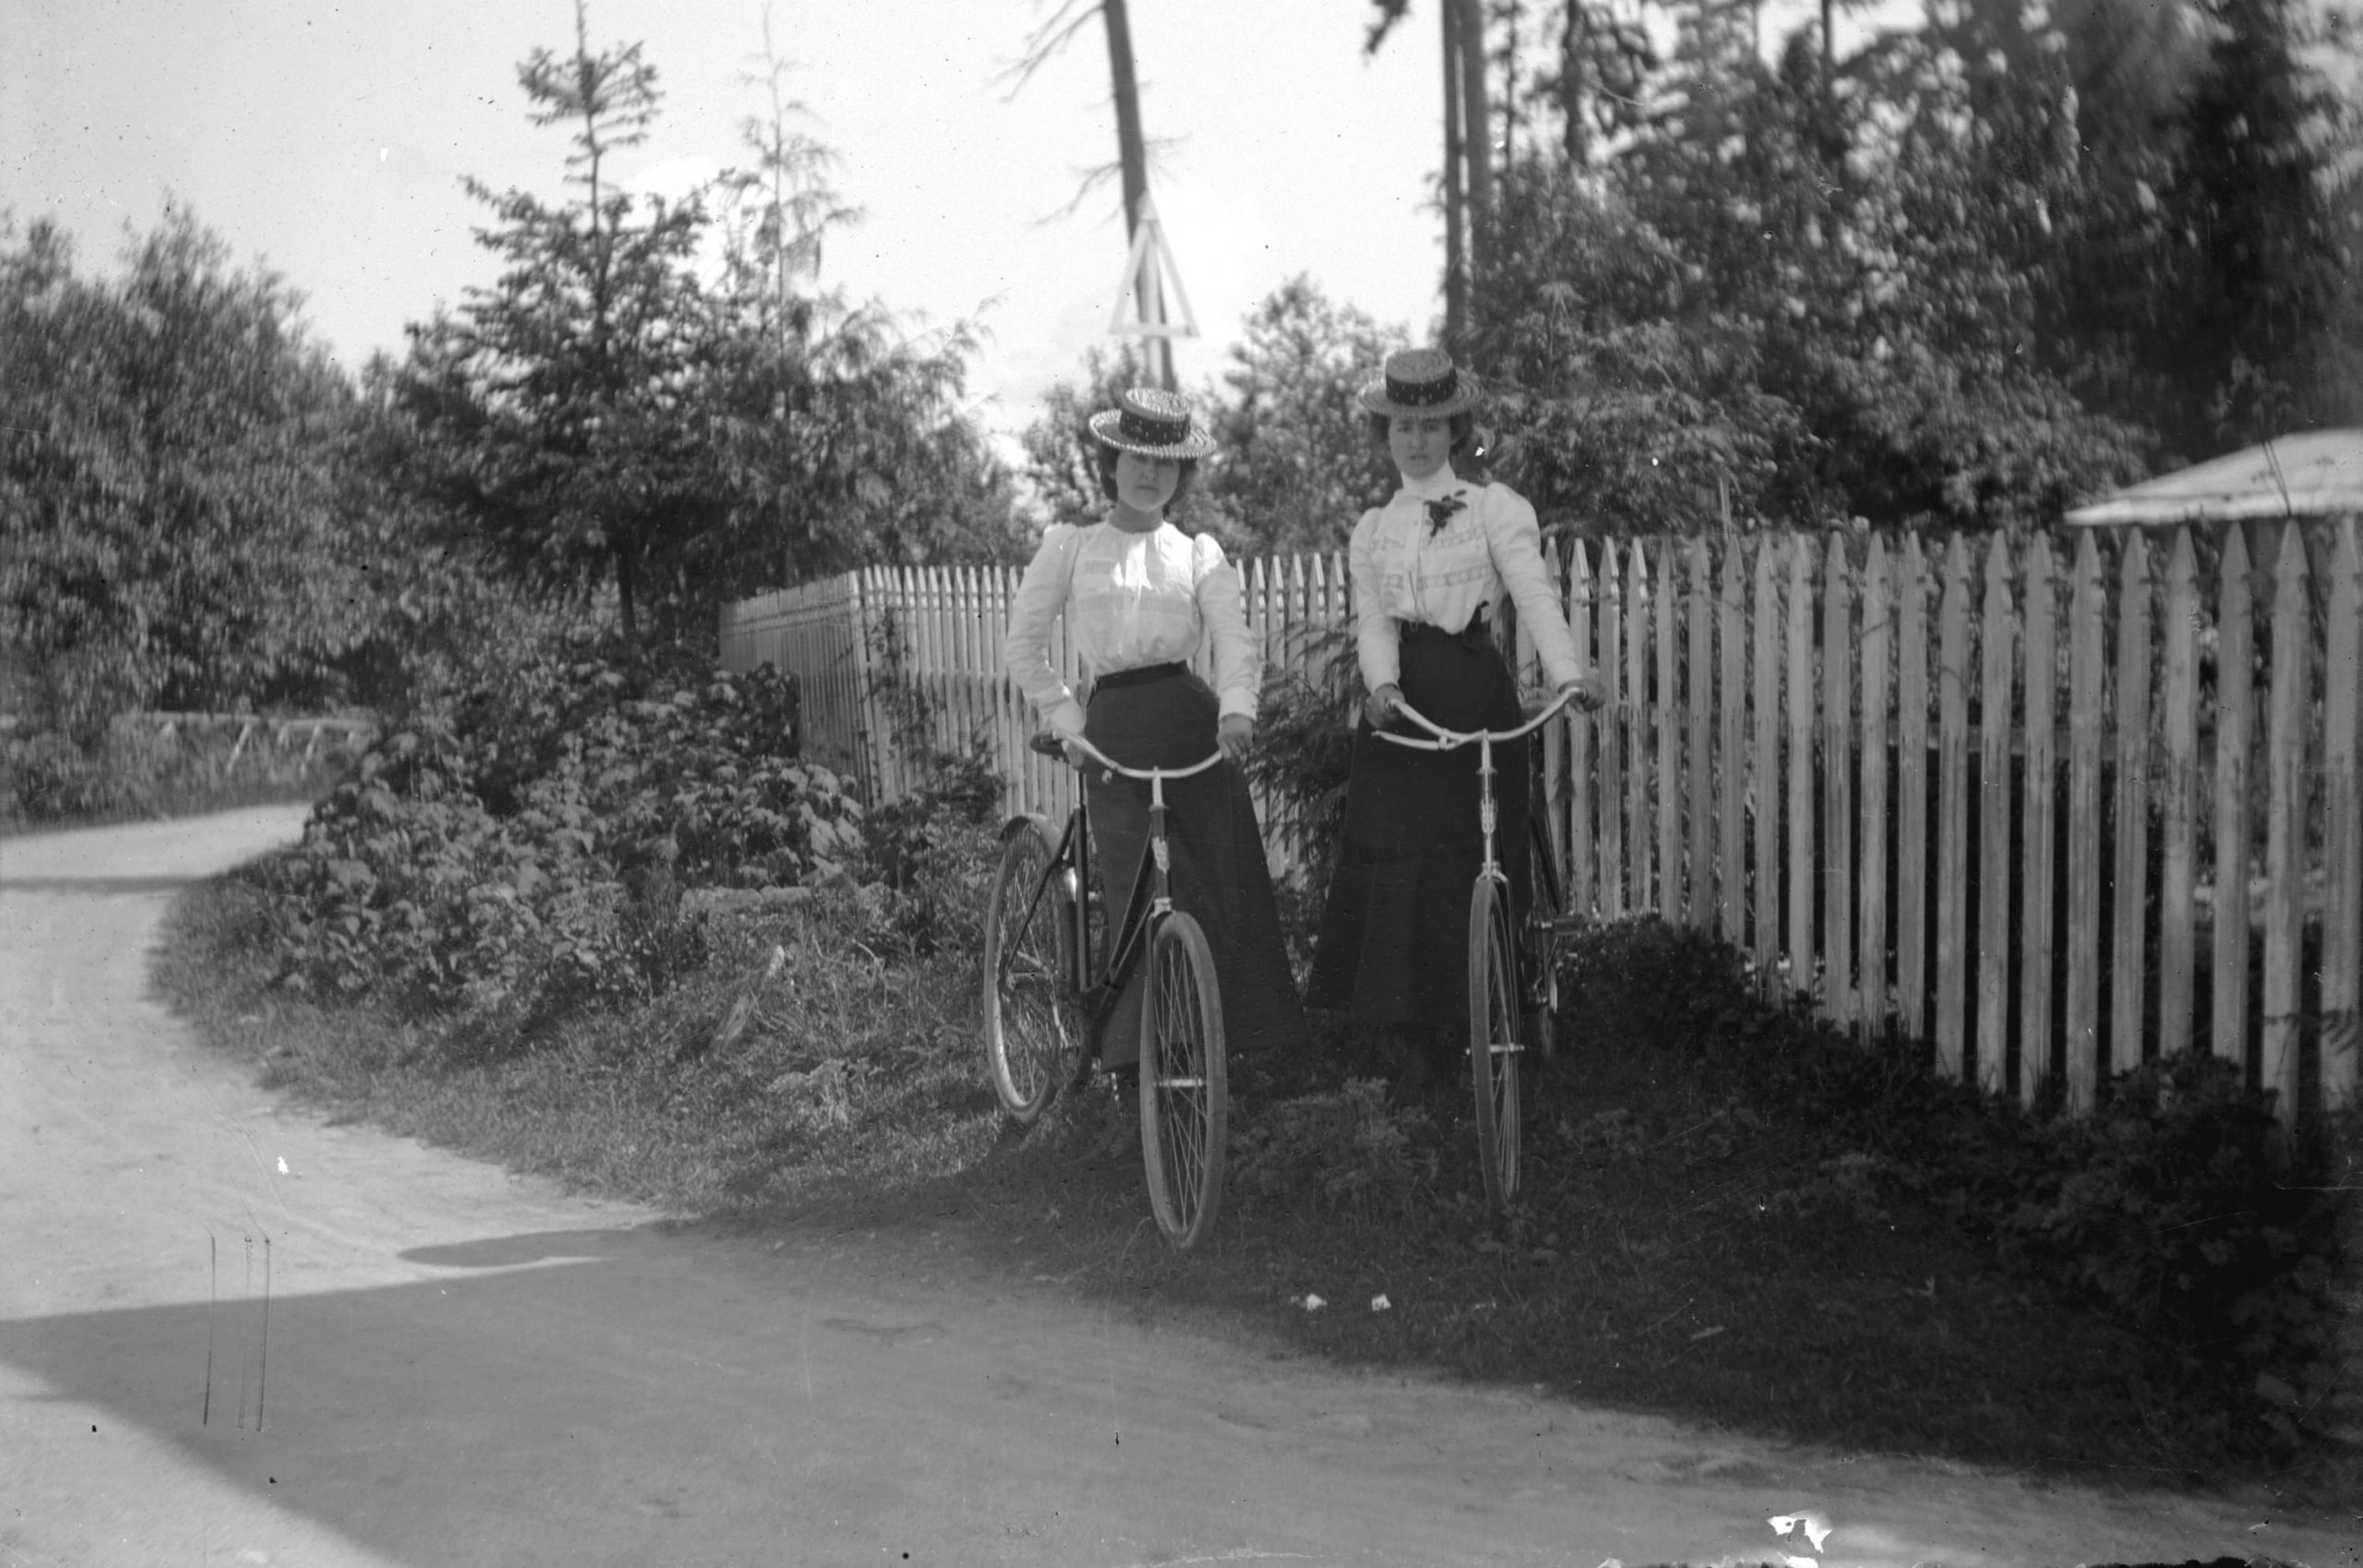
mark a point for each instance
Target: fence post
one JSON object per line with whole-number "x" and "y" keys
{"x": 2178, "y": 722}
{"x": 1640, "y": 716}
{"x": 2286, "y": 821}
{"x": 1765, "y": 779}
{"x": 1953, "y": 812}
{"x": 1804, "y": 692}
{"x": 2129, "y": 901}
{"x": 1912, "y": 791}
{"x": 1613, "y": 717}
{"x": 2235, "y": 716}
{"x": 2342, "y": 966}
{"x": 1998, "y": 642}
{"x": 1669, "y": 768}
{"x": 2039, "y": 877}
{"x": 1698, "y": 779}
{"x": 2086, "y": 618}
{"x": 1731, "y": 756}
{"x": 1879, "y": 639}
{"x": 1582, "y": 885}
{"x": 1835, "y": 736}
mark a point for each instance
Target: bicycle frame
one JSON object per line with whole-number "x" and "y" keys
{"x": 1146, "y": 905}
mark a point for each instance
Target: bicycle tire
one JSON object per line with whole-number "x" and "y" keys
{"x": 1032, "y": 1024}
{"x": 1184, "y": 1084}
{"x": 1539, "y": 958}
{"x": 1492, "y": 1039}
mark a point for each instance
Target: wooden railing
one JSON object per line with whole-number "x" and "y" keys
{"x": 2057, "y": 806}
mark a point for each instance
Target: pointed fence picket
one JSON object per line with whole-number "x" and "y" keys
{"x": 1699, "y": 775}
{"x": 1874, "y": 745}
{"x": 1997, "y": 644}
{"x": 2058, "y": 817}
{"x": 2038, "y": 858}
{"x": 1912, "y": 792}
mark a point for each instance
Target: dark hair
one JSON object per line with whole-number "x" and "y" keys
{"x": 1464, "y": 436}
{"x": 1107, "y": 455}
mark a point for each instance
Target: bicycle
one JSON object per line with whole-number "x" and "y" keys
{"x": 1505, "y": 965}
{"x": 1047, "y": 1002}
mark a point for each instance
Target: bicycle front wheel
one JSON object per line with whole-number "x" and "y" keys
{"x": 1033, "y": 1025}
{"x": 1492, "y": 1039}
{"x": 1183, "y": 1083}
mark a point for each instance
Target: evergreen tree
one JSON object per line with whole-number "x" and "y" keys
{"x": 560, "y": 394}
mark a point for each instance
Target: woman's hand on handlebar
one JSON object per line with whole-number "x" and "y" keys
{"x": 1235, "y": 734}
{"x": 1587, "y": 693}
{"x": 1379, "y": 708}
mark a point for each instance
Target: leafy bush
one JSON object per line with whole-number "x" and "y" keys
{"x": 2179, "y": 1206}
{"x": 1304, "y": 743}
{"x": 2177, "y": 1203}
{"x": 1346, "y": 1149}
{"x": 525, "y": 855}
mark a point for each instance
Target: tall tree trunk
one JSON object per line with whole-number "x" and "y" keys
{"x": 1574, "y": 56}
{"x": 1477, "y": 137}
{"x": 1455, "y": 270}
{"x": 1131, "y": 153}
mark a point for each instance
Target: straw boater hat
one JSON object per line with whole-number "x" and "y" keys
{"x": 1154, "y": 422}
{"x": 1420, "y": 381}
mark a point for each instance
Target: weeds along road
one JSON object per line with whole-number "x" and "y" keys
{"x": 231, "y": 1333}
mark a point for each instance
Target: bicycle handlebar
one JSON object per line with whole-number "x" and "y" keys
{"x": 1054, "y": 745}
{"x": 1449, "y": 740}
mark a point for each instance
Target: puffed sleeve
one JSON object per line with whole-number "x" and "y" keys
{"x": 1239, "y": 664}
{"x": 1377, "y": 640}
{"x": 1041, "y": 595}
{"x": 1514, "y": 539}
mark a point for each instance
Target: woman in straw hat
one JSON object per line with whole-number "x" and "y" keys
{"x": 1139, "y": 596}
{"x": 1429, "y": 569}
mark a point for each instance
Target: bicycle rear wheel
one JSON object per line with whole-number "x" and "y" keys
{"x": 1492, "y": 1039}
{"x": 1033, "y": 1025}
{"x": 1183, "y": 1083}
{"x": 1538, "y": 954}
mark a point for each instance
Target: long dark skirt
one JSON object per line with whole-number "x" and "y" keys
{"x": 1394, "y": 943}
{"x": 1218, "y": 876}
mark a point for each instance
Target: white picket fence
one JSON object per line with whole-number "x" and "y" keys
{"x": 2157, "y": 846}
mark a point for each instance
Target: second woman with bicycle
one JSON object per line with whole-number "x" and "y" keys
{"x": 1428, "y": 570}
{"x": 1139, "y": 596}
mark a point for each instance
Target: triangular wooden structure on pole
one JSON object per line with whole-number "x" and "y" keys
{"x": 1150, "y": 264}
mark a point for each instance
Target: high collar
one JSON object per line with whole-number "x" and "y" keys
{"x": 1435, "y": 486}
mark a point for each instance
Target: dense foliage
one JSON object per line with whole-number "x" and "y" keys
{"x": 2177, "y": 1208}
{"x": 203, "y": 512}
{"x": 168, "y": 484}
{"x": 1966, "y": 275}
{"x": 526, "y": 851}
{"x": 607, "y": 416}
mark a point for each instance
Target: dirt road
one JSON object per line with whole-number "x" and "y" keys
{"x": 232, "y": 1333}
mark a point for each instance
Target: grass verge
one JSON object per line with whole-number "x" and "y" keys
{"x": 1733, "y": 1219}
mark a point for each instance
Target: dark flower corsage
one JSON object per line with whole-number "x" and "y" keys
{"x": 1440, "y": 512}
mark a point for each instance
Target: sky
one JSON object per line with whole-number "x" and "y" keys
{"x": 327, "y": 141}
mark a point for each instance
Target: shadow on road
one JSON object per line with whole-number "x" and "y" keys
{"x": 643, "y": 1395}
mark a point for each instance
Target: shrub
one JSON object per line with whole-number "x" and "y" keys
{"x": 1346, "y": 1150}
{"x": 2179, "y": 1206}
{"x": 523, "y": 855}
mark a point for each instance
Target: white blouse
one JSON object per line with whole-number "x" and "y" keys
{"x": 1404, "y": 568}
{"x": 1131, "y": 600}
